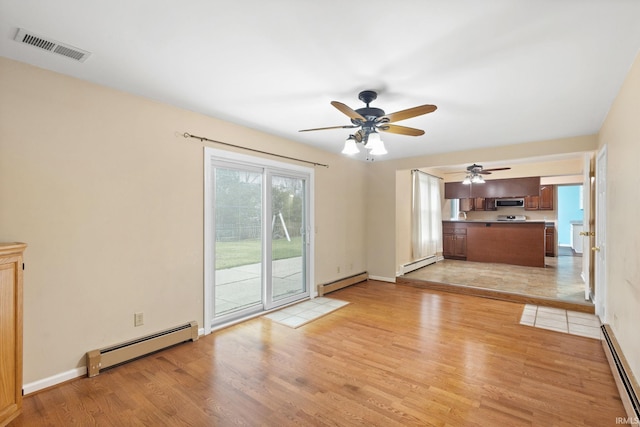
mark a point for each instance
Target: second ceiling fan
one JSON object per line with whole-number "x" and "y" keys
{"x": 475, "y": 172}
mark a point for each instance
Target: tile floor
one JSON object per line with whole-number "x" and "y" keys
{"x": 305, "y": 312}
{"x": 559, "y": 280}
{"x": 556, "y": 319}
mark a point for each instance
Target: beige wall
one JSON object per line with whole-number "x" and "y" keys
{"x": 109, "y": 197}
{"x": 620, "y": 133}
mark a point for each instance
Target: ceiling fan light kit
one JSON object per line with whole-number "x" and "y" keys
{"x": 477, "y": 179}
{"x": 370, "y": 120}
{"x": 475, "y": 172}
{"x": 350, "y": 146}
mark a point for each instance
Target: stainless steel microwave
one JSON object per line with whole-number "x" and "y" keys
{"x": 518, "y": 203}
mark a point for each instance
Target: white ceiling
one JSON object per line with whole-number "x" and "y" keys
{"x": 500, "y": 71}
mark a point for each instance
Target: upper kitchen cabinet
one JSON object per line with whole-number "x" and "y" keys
{"x": 543, "y": 201}
{"x": 494, "y": 189}
{"x": 482, "y": 204}
{"x": 457, "y": 190}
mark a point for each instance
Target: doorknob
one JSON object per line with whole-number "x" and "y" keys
{"x": 595, "y": 249}
{"x": 587, "y": 233}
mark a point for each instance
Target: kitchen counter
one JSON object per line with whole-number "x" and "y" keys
{"x": 532, "y": 221}
{"x": 507, "y": 242}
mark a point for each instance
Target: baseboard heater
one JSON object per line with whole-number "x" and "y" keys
{"x": 325, "y": 288}
{"x": 108, "y": 357}
{"x": 414, "y": 265}
{"x": 626, "y": 382}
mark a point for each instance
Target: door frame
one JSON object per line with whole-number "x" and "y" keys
{"x": 587, "y": 221}
{"x": 213, "y": 155}
{"x": 600, "y": 248}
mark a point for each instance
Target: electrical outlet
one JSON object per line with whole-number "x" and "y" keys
{"x": 338, "y": 269}
{"x": 138, "y": 319}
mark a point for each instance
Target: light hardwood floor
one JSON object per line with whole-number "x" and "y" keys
{"x": 395, "y": 356}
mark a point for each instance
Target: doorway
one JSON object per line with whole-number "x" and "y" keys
{"x": 257, "y": 240}
{"x": 570, "y": 220}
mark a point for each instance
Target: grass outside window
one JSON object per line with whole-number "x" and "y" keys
{"x": 244, "y": 252}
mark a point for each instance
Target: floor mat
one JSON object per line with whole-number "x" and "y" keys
{"x": 305, "y": 312}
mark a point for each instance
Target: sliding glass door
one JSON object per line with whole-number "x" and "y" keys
{"x": 257, "y": 245}
{"x": 238, "y": 239}
{"x": 288, "y": 237}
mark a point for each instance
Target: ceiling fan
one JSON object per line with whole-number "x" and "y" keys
{"x": 475, "y": 172}
{"x": 370, "y": 120}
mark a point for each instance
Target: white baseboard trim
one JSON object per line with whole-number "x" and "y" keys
{"x": 53, "y": 380}
{"x": 383, "y": 279}
{"x": 414, "y": 265}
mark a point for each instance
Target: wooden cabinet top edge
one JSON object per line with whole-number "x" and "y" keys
{"x": 12, "y": 248}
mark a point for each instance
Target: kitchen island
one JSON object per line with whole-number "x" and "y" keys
{"x": 507, "y": 242}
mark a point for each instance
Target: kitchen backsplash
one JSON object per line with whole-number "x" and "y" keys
{"x": 531, "y": 215}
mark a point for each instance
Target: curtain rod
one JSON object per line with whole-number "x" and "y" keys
{"x": 418, "y": 170}
{"x": 202, "y": 138}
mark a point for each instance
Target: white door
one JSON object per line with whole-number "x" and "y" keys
{"x": 586, "y": 227}
{"x": 600, "y": 247}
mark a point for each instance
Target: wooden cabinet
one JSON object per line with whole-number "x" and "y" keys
{"x": 477, "y": 204}
{"x": 484, "y": 204}
{"x": 543, "y": 201}
{"x": 547, "y": 195}
{"x": 531, "y": 203}
{"x": 456, "y": 190}
{"x": 454, "y": 240}
{"x": 10, "y": 330}
{"x": 494, "y": 188}
{"x": 517, "y": 243}
{"x": 550, "y": 241}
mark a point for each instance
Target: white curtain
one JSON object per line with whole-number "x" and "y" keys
{"x": 426, "y": 222}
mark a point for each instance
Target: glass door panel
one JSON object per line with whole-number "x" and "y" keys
{"x": 238, "y": 241}
{"x": 288, "y": 238}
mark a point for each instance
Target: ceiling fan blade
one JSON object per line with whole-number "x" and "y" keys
{"x": 484, "y": 172}
{"x": 330, "y": 127}
{"x": 348, "y": 111}
{"x": 496, "y": 169}
{"x": 408, "y": 113}
{"x": 402, "y": 130}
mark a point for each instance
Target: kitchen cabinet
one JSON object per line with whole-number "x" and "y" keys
{"x": 454, "y": 240}
{"x": 550, "y": 241}
{"x": 477, "y": 204}
{"x": 547, "y": 195}
{"x": 517, "y": 243}
{"x": 457, "y": 190}
{"x": 494, "y": 188}
{"x": 484, "y": 204}
{"x": 543, "y": 201}
{"x": 10, "y": 330}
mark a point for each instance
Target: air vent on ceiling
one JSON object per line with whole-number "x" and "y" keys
{"x": 27, "y": 37}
